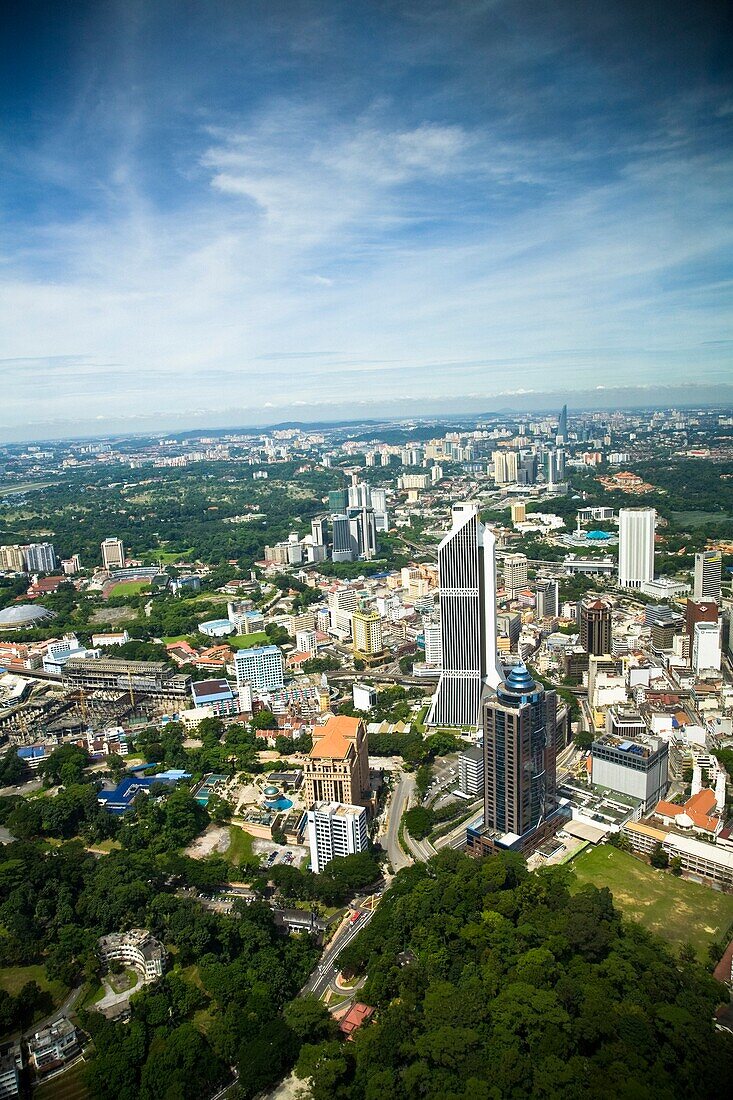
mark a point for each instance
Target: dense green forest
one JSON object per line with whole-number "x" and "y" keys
{"x": 490, "y": 982}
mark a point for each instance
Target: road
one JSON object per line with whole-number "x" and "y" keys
{"x": 398, "y": 804}
{"x": 324, "y": 974}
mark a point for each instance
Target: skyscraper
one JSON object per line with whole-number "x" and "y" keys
{"x": 708, "y": 571}
{"x": 636, "y": 546}
{"x": 366, "y": 629}
{"x": 519, "y": 754}
{"x": 547, "y": 592}
{"x": 562, "y": 426}
{"x": 595, "y": 626}
{"x": 515, "y": 573}
{"x": 467, "y": 572}
{"x": 341, "y": 545}
{"x": 338, "y": 501}
{"x": 334, "y": 830}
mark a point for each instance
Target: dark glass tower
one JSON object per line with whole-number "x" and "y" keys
{"x": 519, "y": 755}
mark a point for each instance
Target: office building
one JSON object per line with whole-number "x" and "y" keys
{"x": 595, "y": 626}
{"x": 40, "y": 557}
{"x": 342, "y": 548}
{"x": 261, "y": 667}
{"x": 338, "y": 501}
{"x": 11, "y": 1065}
{"x": 379, "y": 505}
{"x": 335, "y": 830}
{"x": 306, "y": 641}
{"x": 471, "y": 771}
{"x": 547, "y": 598}
{"x": 113, "y": 554}
{"x": 699, "y": 611}
{"x": 518, "y": 511}
{"x": 636, "y": 546}
{"x": 366, "y": 631}
{"x": 337, "y": 768}
{"x": 562, "y": 426}
{"x": 362, "y": 522}
{"x": 364, "y": 696}
{"x": 12, "y": 559}
{"x": 520, "y": 720}
{"x": 708, "y": 573}
{"x": 467, "y": 574}
{"x": 515, "y": 573}
{"x": 433, "y": 654}
{"x": 554, "y": 466}
{"x": 508, "y": 631}
{"x": 319, "y": 531}
{"x": 706, "y": 647}
{"x": 635, "y": 767}
{"x": 606, "y": 681}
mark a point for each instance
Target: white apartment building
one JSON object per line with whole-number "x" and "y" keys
{"x": 306, "y": 641}
{"x": 335, "y": 829}
{"x": 261, "y": 666}
{"x": 636, "y": 546}
{"x": 433, "y": 653}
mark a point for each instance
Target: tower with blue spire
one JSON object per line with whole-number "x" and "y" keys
{"x": 520, "y": 720}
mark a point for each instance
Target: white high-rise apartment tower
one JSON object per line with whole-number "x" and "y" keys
{"x": 467, "y": 573}
{"x": 708, "y": 575}
{"x": 636, "y": 546}
{"x": 335, "y": 829}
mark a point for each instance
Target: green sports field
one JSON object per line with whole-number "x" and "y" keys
{"x": 129, "y": 588}
{"x": 675, "y": 909}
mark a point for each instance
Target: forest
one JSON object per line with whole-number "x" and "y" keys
{"x": 490, "y": 982}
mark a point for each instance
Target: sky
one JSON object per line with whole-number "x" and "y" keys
{"x": 231, "y": 212}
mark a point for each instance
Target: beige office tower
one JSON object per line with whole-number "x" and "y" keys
{"x": 113, "y": 554}
{"x": 366, "y": 630}
{"x": 708, "y": 574}
{"x": 519, "y": 512}
{"x": 337, "y": 768}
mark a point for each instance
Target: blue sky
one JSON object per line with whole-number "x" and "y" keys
{"x": 239, "y": 212}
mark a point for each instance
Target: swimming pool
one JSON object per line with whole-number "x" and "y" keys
{"x": 280, "y": 804}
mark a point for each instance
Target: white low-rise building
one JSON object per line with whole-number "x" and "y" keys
{"x": 136, "y": 948}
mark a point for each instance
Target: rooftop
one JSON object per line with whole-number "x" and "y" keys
{"x": 336, "y": 738}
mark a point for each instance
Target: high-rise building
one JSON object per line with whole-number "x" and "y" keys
{"x": 342, "y": 548}
{"x": 337, "y": 768}
{"x": 338, "y": 501}
{"x": 635, "y": 767}
{"x": 562, "y": 426}
{"x": 519, "y": 754}
{"x": 41, "y": 557}
{"x": 335, "y": 830}
{"x": 595, "y": 626}
{"x": 515, "y": 573}
{"x": 379, "y": 504}
{"x": 363, "y": 532}
{"x": 518, "y": 511}
{"x": 13, "y": 559}
{"x": 699, "y": 611}
{"x": 506, "y": 466}
{"x": 547, "y": 598}
{"x": 636, "y": 546}
{"x": 366, "y": 629}
{"x": 113, "y": 554}
{"x": 467, "y": 573}
{"x": 261, "y": 667}
{"x": 471, "y": 770}
{"x": 306, "y": 641}
{"x": 708, "y": 574}
{"x": 706, "y": 647}
{"x": 433, "y": 656}
{"x": 319, "y": 531}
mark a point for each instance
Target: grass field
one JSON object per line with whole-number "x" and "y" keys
{"x": 675, "y": 909}
{"x": 67, "y": 1086}
{"x": 13, "y": 978}
{"x": 246, "y": 641}
{"x": 698, "y": 519}
{"x": 129, "y": 588}
{"x": 240, "y": 846}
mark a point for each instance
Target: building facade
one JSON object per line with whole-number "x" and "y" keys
{"x": 708, "y": 575}
{"x": 595, "y": 626}
{"x": 469, "y": 664}
{"x": 337, "y": 768}
{"x": 636, "y": 546}
{"x": 113, "y": 554}
{"x": 334, "y": 830}
{"x": 519, "y": 755}
{"x": 636, "y": 767}
{"x": 260, "y": 666}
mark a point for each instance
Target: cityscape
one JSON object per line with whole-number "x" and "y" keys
{"x": 366, "y": 714}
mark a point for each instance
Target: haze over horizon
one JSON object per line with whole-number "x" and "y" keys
{"x": 228, "y": 214}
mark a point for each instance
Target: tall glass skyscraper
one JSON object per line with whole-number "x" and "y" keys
{"x": 520, "y": 722}
{"x": 467, "y": 576}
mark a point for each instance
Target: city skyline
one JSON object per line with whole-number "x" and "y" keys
{"x": 259, "y": 213}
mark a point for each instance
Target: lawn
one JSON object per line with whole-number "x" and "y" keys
{"x": 129, "y": 588}
{"x": 698, "y": 519}
{"x": 67, "y": 1086}
{"x": 675, "y": 909}
{"x": 246, "y": 641}
{"x": 240, "y": 846}
{"x": 13, "y": 978}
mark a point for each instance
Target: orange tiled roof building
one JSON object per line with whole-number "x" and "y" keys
{"x": 337, "y": 769}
